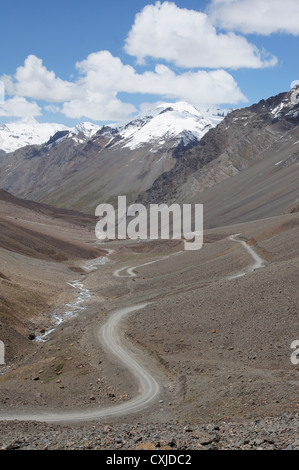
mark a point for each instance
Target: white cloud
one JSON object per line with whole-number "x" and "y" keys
{"x": 35, "y": 81}
{"x": 164, "y": 32}
{"x": 256, "y": 16}
{"x": 2, "y": 92}
{"x": 18, "y": 106}
{"x": 98, "y": 107}
{"x": 200, "y": 87}
{"x": 102, "y": 71}
{"x": 94, "y": 93}
{"x": 189, "y": 39}
{"x": 104, "y": 74}
{"x": 52, "y": 108}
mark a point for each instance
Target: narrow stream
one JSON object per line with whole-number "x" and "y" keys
{"x": 71, "y": 310}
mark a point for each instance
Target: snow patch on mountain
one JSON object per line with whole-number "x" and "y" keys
{"x": 216, "y": 115}
{"x": 178, "y": 122}
{"x": 18, "y": 134}
{"x": 15, "y": 135}
{"x": 291, "y": 100}
{"x": 87, "y": 128}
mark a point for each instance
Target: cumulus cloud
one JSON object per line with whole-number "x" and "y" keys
{"x": 102, "y": 72}
{"x": 98, "y": 107}
{"x": 2, "y": 92}
{"x": 166, "y": 33}
{"x": 188, "y": 39}
{"x": 52, "y": 108}
{"x": 256, "y": 16}
{"x": 35, "y": 81}
{"x": 18, "y": 106}
{"x": 94, "y": 92}
{"x": 103, "y": 76}
{"x": 162, "y": 31}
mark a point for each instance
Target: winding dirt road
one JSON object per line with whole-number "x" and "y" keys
{"x": 131, "y": 270}
{"x": 108, "y": 335}
{"x": 148, "y": 388}
{"x": 258, "y": 261}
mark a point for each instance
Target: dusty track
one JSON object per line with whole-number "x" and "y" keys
{"x": 148, "y": 388}
{"x": 258, "y": 261}
{"x": 108, "y": 335}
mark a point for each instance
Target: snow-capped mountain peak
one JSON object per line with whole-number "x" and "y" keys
{"x": 179, "y": 107}
{"x": 83, "y": 131}
{"x": 86, "y": 128}
{"x": 18, "y": 134}
{"x": 177, "y": 122}
{"x": 15, "y": 135}
{"x": 157, "y": 125}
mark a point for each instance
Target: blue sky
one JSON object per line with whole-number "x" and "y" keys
{"x": 69, "y": 61}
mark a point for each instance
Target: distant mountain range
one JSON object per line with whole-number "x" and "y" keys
{"x": 102, "y": 161}
{"x": 242, "y": 164}
{"x": 15, "y": 135}
{"x": 244, "y": 169}
{"x": 184, "y": 119}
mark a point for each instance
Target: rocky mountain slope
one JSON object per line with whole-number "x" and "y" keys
{"x": 171, "y": 153}
{"x": 113, "y": 161}
{"x": 257, "y": 146}
{"x": 38, "y": 246}
{"x": 26, "y": 228}
{"x": 217, "y": 342}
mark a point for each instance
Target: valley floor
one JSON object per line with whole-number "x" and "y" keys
{"x": 219, "y": 344}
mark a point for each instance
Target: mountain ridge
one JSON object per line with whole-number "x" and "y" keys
{"x": 80, "y": 175}
{"x": 238, "y": 142}
{"x": 19, "y": 134}
{"x": 126, "y": 159}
